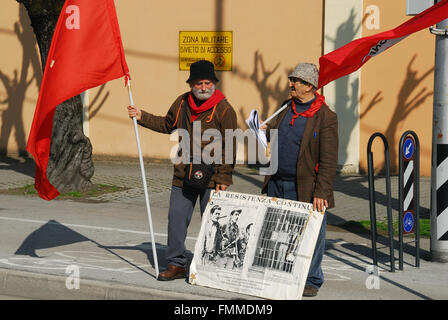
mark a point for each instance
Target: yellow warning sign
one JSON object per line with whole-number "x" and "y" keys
{"x": 214, "y": 46}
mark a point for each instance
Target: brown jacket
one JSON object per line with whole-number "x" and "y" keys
{"x": 319, "y": 146}
{"x": 221, "y": 117}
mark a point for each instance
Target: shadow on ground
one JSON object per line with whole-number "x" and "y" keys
{"x": 54, "y": 234}
{"x": 23, "y": 165}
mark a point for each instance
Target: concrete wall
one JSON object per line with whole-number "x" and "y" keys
{"x": 265, "y": 50}
{"x": 20, "y": 77}
{"x": 343, "y": 23}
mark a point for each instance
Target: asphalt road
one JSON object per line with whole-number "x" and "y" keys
{"x": 109, "y": 240}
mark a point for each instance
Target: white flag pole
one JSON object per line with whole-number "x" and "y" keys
{"x": 273, "y": 116}
{"x": 142, "y": 167}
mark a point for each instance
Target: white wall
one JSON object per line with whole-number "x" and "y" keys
{"x": 343, "y": 23}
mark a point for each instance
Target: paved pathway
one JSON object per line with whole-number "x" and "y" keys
{"x": 109, "y": 240}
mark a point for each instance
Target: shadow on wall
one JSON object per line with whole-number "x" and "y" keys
{"x": 96, "y": 104}
{"x": 17, "y": 84}
{"x": 346, "y": 99}
{"x": 346, "y": 94}
{"x": 260, "y": 77}
{"x": 408, "y": 99}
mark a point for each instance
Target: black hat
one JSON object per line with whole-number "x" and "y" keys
{"x": 202, "y": 69}
{"x": 237, "y": 211}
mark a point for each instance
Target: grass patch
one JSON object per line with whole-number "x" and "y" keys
{"x": 363, "y": 226}
{"x": 95, "y": 191}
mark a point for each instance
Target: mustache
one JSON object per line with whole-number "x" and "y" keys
{"x": 203, "y": 94}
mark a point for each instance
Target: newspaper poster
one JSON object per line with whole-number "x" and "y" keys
{"x": 253, "y": 123}
{"x": 255, "y": 245}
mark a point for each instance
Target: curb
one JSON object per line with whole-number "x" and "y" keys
{"x": 52, "y": 287}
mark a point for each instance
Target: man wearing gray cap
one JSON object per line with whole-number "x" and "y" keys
{"x": 307, "y": 156}
{"x": 206, "y": 106}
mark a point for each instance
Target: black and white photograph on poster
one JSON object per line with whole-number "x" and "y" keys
{"x": 255, "y": 245}
{"x": 279, "y": 239}
{"x": 225, "y": 237}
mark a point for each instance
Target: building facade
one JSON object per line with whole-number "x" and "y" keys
{"x": 390, "y": 94}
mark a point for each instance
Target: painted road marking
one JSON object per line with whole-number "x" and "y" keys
{"x": 88, "y": 227}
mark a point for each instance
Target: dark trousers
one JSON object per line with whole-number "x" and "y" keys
{"x": 182, "y": 202}
{"x": 288, "y": 190}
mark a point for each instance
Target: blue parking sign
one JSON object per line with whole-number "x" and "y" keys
{"x": 408, "y": 148}
{"x": 408, "y": 221}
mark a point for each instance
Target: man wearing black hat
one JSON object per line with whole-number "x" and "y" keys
{"x": 207, "y": 105}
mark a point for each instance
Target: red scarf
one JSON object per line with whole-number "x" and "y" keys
{"x": 308, "y": 113}
{"x": 216, "y": 97}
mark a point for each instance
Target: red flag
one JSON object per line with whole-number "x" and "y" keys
{"x": 353, "y": 55}
{"x": 86, "y": 51}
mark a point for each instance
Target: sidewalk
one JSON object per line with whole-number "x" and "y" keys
{"x": 108, "y": 239}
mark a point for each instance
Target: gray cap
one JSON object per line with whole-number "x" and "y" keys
{"x": 307, "y": 72}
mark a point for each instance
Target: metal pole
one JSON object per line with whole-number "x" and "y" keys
{"x": 413, "y": 162}
{"x": 142, "y": 167}
{"x": 400, "y": 203}
{"x": 439, "y": 165}
{"x": 372, "y": 199}
{"x": 417, "y": 200}
{"x": 274, "y": 115}
{"x": 389, "y": 206}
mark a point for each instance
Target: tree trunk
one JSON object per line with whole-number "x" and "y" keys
{"x": 70, "y": 165}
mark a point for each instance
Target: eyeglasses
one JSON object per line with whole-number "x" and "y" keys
{"x": 199, "y": 83}
{"x": 295, "y": 80}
